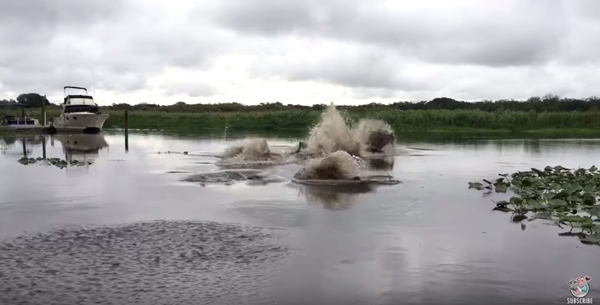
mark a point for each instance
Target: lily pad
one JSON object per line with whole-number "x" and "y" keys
{"x": 476, "y": 185}
{"x": 518, "y": 218}
{"x": 501, "y": 188}
{"x": 502, "y": 209}
{"x": 593, "y": 239}
{"x": 60, "y": 163}
{"x": 563, "y": 196}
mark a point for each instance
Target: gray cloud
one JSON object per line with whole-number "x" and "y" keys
{"x": 349, "y": 65}
{"x": 43, "y": 14}
{"x": 113, "y": 45}
{"x": 377, "y": 49}
{"x": 191, "y": 89}
{"x": 501, "y": 34}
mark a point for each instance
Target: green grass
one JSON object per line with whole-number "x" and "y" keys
{"x": 299, "y": 121}
{"x": 450, "y": 120}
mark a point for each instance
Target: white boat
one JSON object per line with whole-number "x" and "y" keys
{"x": 80, "y": 111}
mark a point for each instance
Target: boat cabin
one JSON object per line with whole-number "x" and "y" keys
{"x": 80, "y": 103}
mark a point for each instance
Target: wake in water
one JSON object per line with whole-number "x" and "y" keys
{"x": 250, "y": 176}
{"x": 251, "y": 150}
{"x": 337, "y": 166}
{"x": 339, "y": 169}
{"x": 333, "y": 149}
{"x": 252, "y": 153}
{"x": 333, "y": 133}
{"x": 335, "y": 155}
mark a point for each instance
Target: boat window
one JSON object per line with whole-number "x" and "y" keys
{"x": 82, "y": 108}
{"x": 79, "y": 100}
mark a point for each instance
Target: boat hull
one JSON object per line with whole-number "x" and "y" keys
{"x": 91, "y": 122}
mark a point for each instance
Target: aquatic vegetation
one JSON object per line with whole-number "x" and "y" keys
{"x": 172, "y": 152}
{"x": 297, "y": 121}
{"x": 60, "y": 163}
{"x": 550, "y": 116}
{"x": 566, "y": 197}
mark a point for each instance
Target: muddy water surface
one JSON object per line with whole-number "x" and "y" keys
{"x": 426, "y": 240}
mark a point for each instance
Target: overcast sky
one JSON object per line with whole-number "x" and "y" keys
{"x": 300, "y": 51}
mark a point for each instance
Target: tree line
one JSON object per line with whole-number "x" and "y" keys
{"x": 549, "y": 103}
{"x": 31, "y": 99}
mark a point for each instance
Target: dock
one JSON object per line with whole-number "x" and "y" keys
{"x": 40, "y": 130}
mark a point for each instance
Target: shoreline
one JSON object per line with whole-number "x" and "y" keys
{"x": 404, "y": 133}
{"x": 289, "y": 121}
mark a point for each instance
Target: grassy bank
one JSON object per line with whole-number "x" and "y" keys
{"x": 439, "y": 121}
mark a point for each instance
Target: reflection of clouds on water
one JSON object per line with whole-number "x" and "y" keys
{"x": 272, "y": 212}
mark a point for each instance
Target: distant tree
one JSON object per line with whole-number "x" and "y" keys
{"x": 547, "y": 103}
{"x": 33, "y": 99}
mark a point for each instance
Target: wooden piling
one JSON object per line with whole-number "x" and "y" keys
{"x": 24, "y": 147}
{"x": 126, "y": 131}
{"x": 44, "y": 148}
{"x": 44, "y": 112}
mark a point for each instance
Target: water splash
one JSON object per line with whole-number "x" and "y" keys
{"x": 332, "y": 146}
{"x": 331, "y": 134}
{"x": 339, "y": 165}
{"x": 252, "y": 150}
{"x": 373, "y": 135}
{"x": 254, "y": 153}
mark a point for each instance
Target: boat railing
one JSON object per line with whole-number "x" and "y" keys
{"x": 74, "y": 87}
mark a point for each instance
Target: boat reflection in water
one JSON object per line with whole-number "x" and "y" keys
{"x": 81, "y": 147}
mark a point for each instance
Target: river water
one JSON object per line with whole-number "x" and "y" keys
{"x": 427, "y": 240}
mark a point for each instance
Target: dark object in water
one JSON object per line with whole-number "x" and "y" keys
{"x": 367, "y": 180}
{"x": 337, "y": 166}
{"x": 322, "y": 173}
{"x": 301, "y": 146}
{"x": 229, "y": 176}
{"x": 380, "y": 139}
{"x": 381, "y": 164}
{"x": 222, "y": 176}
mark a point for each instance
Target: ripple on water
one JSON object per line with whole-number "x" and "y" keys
{"x": 454, "y": 269}
{"x": 166, "y": 262}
